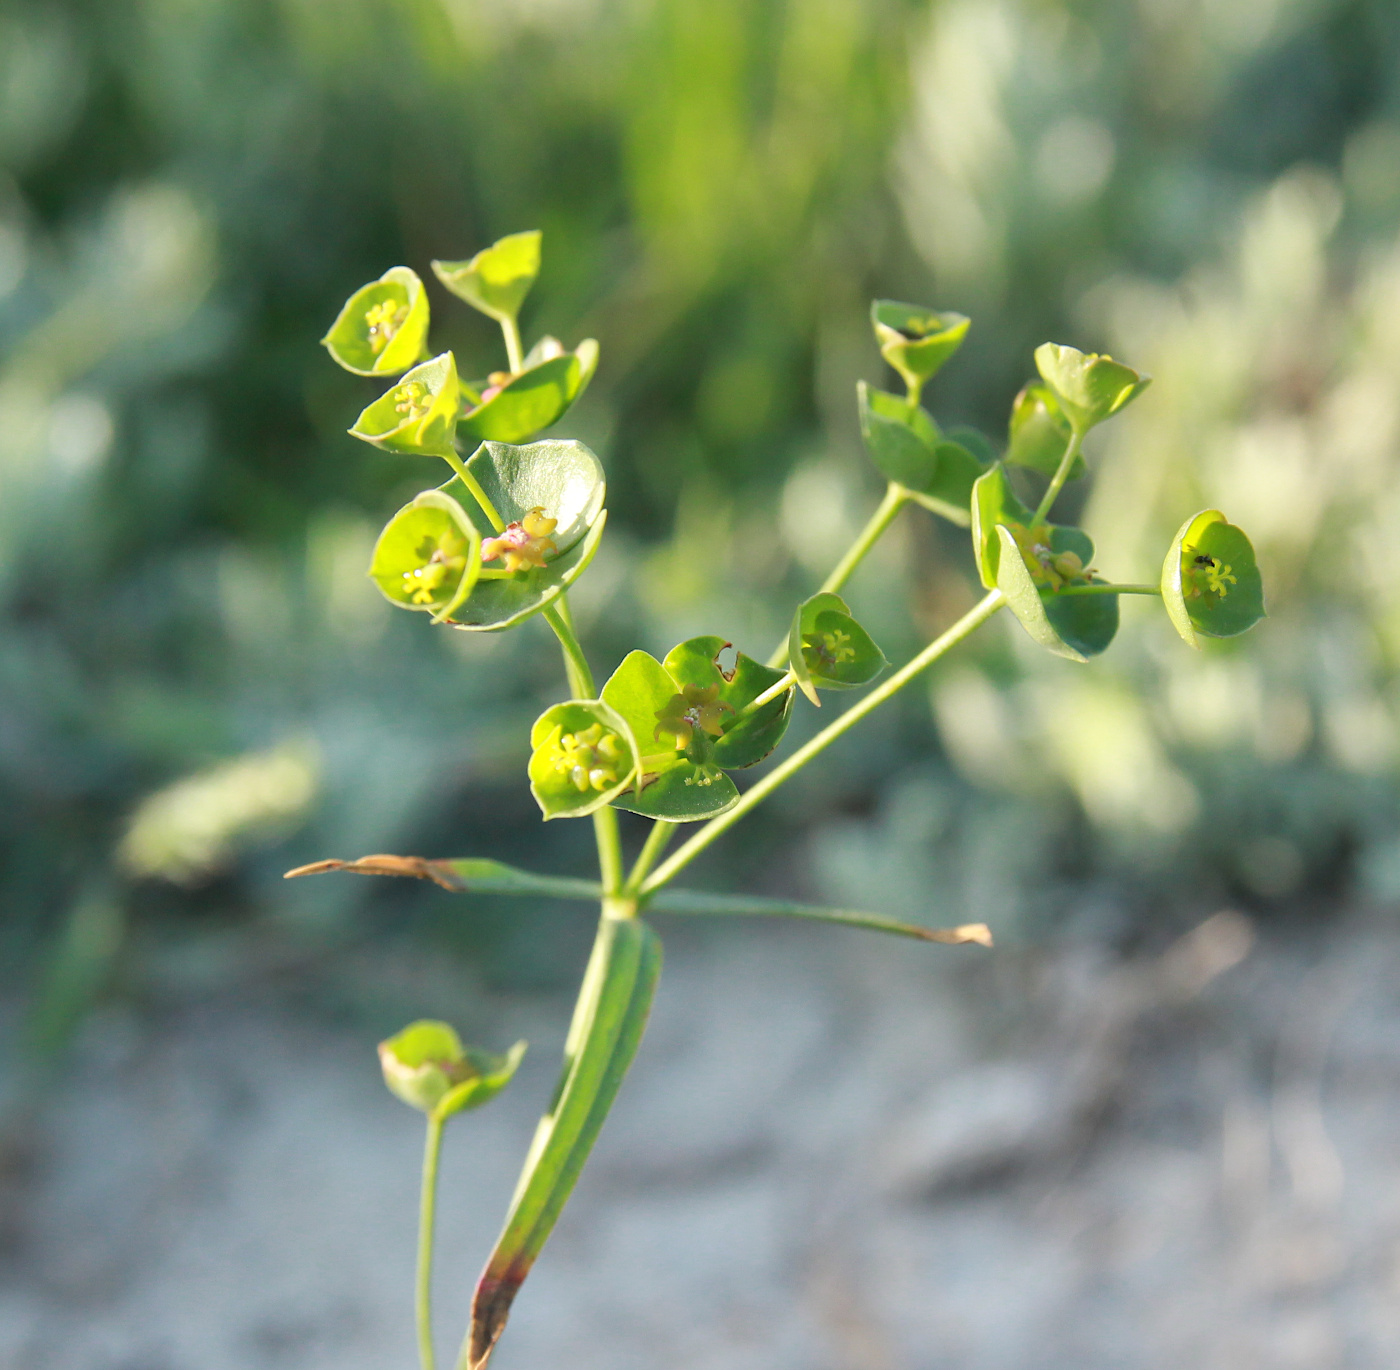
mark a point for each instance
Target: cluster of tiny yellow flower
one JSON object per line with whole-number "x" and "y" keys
{"x": 523, "y": 544}
{"x": 590, "y": 758}
{"x": 383, "y": 321}
{"x": 695, "y": 707}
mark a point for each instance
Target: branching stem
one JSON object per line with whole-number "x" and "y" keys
{"x": 660, "y": 834}
{"x": 474, "y": 485}
{"x": 1110, "y": 589}
{"x": 686, "y": 853}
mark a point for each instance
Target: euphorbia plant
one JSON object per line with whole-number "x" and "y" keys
{"x": 515, "y": 525}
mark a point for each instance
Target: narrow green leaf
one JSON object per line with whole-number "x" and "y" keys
{"x": 463, "y": 875}
{"x": 608, "y": 1023}
{"x": 682, "y": 901}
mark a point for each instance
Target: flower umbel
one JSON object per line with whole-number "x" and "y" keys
{"x": 695, "y": 707}
{"x": 591, "y": 758}
{"x": 523, "y": 544}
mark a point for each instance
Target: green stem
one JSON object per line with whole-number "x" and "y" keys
{"x": 474, "y": 485}
{"x": 513, "y": 354}
{"x": 1110, "y": 589}
{"x": 426, "y": 1207}
{"x": 576, "y": 667}
{"x": 894, "y": 500}
{"x": 778, "y": 687}
{"x": 687, "y": 853}
{"x": 660, "y": 834}
{"x": 1057, "y": 481}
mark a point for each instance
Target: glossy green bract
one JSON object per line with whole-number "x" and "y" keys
{"x": 1089, "y": 387}
{"x": 497, "y": 280}
{"x": 678, "y": 785}
{"x": 1073, "y": 626}
{"x": 530, "y": 401}
{"x": 744, "y": 741}
{"x": 584, "y": 756}
{"x": 993, "y": 502}
{"x": 427, "y": 1066}
{"x": 829, "y": 650}
{"x": 565, "y": 480}
{"x": 916, "y": 341}
{"x": 429, "y": 555}
{"x": 1210, "y": 580}
{"x": 383, "y": 327}
{"x": 906, "y": 446}
{"x": 1040, "y": 433}
{"x": 419, "y": 414}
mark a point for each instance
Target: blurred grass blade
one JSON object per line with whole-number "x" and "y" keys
{"x": 608, "y": 1023}
{"x": 701, "y": 902}
{"x": 474, "y": 875}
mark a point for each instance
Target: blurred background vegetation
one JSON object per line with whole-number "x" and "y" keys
{"x": 200, "y": 688}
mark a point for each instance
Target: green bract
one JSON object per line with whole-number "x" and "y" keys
{"x": 1040, "y": 433}
{"x": 418, "y": 415}
{"x": 1210, "y": 580}
{"x": 564, "y": 480}
{"x": 497, "y": 280}
{"x": 520, "y": 406}
{"x": 829, "y": 650}
{"x": 905, "y": 444}
{"x": 584, "y": 757}
{"x": 429, "y": 555}
{"x": 383, "y": 328}
{"x": 1073, "y": 626}
{"x": 915, "y": 341}
{"x": 1090, "y": 388}
{"x": 748, "y": 739}
{"x": 427, "y": 1066}
{"x": 674, "y": 784}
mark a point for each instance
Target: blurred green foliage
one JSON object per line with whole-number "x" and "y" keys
{"x": 190, "y": 189}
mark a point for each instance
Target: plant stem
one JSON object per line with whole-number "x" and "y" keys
{"x": 685, "y": 854}
{"x": 1110, "y": 590}
{"x": 660, "y": 834}
{"x": 778, "y": 687}
{"x": 474, "y": 485}
{"x": 581, "y": 684}
{"x": 1057, "y": 481}
{"x": 513, "y": 355}
{"x": 426, "y": 1209}
{"x": 894, "y": 500}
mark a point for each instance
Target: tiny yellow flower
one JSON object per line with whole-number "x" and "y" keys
{"x": 695, "y": 707}
{"x": 383, "y": 321}
{"x": 523, "y": 544}
{"x": 444, "y": 560}
{"x": 591, "y": 758}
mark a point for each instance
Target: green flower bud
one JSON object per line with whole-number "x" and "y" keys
{"x": 427, "y": 1066}
{"x": 497, "y": 280}
{"x": 383, "y": 328}
{"x": 1089, "y": 388}
{"x": 419, "y": 415}
{"x": 915, "y": 341}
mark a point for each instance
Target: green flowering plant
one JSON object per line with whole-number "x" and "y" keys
{"x": 519, "y": 520}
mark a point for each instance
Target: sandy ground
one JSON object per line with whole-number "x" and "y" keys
{"x": 834, "y": 1151}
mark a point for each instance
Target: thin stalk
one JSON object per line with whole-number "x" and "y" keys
{"x": 778, "y": 687}
{"x": 474, "y": 485}
{"x": 427, "y": 1206}
{"x": 660, "y": 834}
{"x": 1110, "y": 589}
{"x": 687, "y": 853}
{"x": 1057, "y": 481}
{"x": 513, "y": 354}
{"x": 605, "y": 830}
{"x": 894, "y": 500}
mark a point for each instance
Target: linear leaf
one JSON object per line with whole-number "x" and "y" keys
{"x": 608, "y": 1023}
{"x": 474, "y": 875}
{"x": 701, "y": 902}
